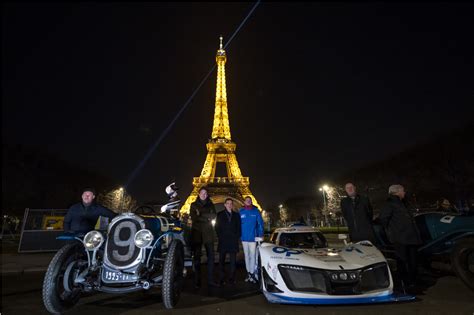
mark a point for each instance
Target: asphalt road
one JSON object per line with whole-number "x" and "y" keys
{"x": 21, "y": 294}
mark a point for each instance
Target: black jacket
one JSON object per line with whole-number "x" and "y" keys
{"x": 81, "y": 219}
{"x": 399, "y": 223}
{"x": 228, "y": 229}
{"x": 358, "y": 214}
{"x": 202, "y": 214}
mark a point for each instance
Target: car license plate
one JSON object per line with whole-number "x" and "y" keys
{"x": 109, "y": 275}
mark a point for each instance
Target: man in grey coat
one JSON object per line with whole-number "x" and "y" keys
{"x": 357, "y": 212}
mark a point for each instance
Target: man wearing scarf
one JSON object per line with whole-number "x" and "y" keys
{"x": 228, "y": 234}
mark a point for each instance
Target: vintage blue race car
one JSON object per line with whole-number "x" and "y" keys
{"x": 446, "y": 237}
{"x": 297, "y": 267}
{"x": 138, "y": 250}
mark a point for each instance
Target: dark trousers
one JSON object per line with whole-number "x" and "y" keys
{"x": 407, "y": 262}
{"x": 197, "y": 251}
{"x": 232, "y": 256}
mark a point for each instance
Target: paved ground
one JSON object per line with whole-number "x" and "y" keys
{"x": 22, "y": 276}
{"x": 21, "y": 294}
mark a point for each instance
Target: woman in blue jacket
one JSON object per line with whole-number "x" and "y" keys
{"x": 252, "y": 231}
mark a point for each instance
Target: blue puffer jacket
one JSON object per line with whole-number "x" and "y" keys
{"x": 252, "y": 224}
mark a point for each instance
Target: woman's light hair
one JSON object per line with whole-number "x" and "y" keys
{"x": 394, "y": 189}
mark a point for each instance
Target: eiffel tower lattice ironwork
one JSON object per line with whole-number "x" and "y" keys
{"x": 221, "y": 149}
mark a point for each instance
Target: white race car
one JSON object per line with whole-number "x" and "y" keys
{"x": 297, "y": 267}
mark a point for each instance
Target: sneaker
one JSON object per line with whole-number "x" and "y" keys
{"x": 253, "y": 279}
{"x": 249, "y": 278}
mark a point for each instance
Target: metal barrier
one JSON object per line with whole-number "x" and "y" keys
{"x": 40, "y": 229}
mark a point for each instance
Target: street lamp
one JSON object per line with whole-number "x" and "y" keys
{"x": 282, "y": 215}
{"x": 324, "y": 189}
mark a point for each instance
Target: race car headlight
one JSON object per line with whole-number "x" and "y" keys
{"x": 343, "y": 276}
{"x": 93, "y": 240}
{"x": 143, "y": 238}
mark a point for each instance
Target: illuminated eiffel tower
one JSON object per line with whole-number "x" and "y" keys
{"x": 221, "y": 149}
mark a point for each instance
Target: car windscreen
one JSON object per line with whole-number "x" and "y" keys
{"x": 303, "y": 240}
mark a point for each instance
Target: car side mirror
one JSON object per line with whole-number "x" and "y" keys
{"x": 343, "y": 237}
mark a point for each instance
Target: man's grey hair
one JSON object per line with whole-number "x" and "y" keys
{"x": 394, "y": 189}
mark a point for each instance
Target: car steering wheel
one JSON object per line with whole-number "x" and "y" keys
{"x": 145, "y": 210}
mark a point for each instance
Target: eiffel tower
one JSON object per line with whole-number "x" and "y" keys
{"x": 221, "y": 149}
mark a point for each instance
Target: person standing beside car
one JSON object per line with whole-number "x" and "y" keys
{"x": 358, "y": 213}
{"x": 82, "y": 217}
{"x": 402, "y": 231}
{"x": 252, "y": 232}
{"x": 203, "y": 213}
{"x": 228, "y": 229}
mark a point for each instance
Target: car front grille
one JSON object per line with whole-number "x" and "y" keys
{"x": 120, "y": 251}
{"x": 303, "y": 279}
{"x": 335, "y": 282}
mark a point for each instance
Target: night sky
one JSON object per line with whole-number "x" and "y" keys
{"x": 314, "y": 89}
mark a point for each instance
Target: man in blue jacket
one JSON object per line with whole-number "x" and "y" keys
{"x": 82, "y": 217}
{"x": 252, "y": 231}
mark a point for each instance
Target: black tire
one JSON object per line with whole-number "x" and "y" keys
{"x": 173, "y": 274}
{"x": 462, "y": 260}
{"x": 56, "y": 298}
{"x": 260, "y": 274}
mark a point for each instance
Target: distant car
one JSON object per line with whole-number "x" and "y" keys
{"x": 297, "y": 267}
{"x": 446, "y": 237}
{"x": 138, "y": 251}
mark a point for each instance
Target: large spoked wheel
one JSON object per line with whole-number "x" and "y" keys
{"x": 462, "y": 258}
{"x": 60, "y": 293}
{"x": 173, "y": 274}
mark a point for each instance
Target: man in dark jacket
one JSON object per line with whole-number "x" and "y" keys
{"x": 82, "y": 217}
{"x": 357, "y": 212}
{"x": 228, "y": 231}
{"x": 402, "y": 232}
{"x": 203, "y": 215}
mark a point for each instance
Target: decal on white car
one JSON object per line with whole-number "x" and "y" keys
{"x": 288, "y": 252}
